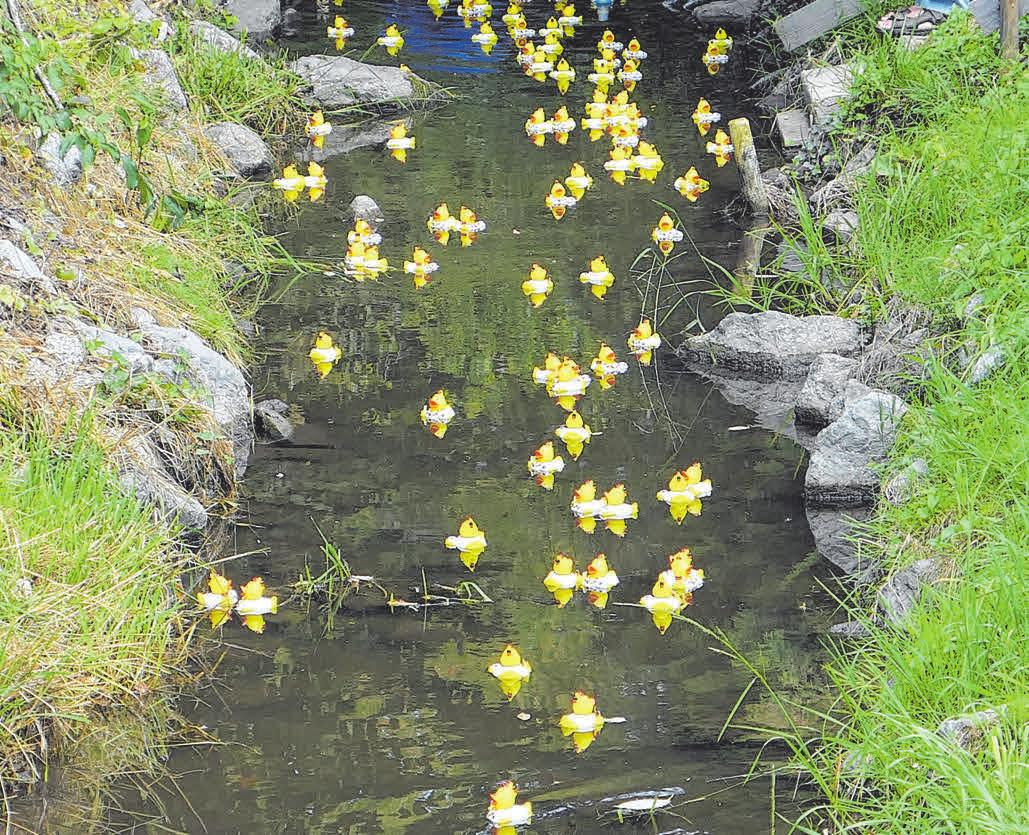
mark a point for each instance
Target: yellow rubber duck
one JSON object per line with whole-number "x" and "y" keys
{"x": 563, "y": 579}
{"x": 324, "y": 354}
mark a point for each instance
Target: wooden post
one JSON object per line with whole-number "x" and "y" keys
{"x": 1009, "y": 29}
{"x": 749, "y": 261}
{"x": 750, "y": 169}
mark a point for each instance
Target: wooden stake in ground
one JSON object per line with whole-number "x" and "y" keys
{"x": 750, "y": 169}
{"x": 1009, "y": 29}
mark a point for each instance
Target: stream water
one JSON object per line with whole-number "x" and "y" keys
{"x": 389, "y": 722}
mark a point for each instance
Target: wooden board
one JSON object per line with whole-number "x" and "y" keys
{"x": 815, "y": 19}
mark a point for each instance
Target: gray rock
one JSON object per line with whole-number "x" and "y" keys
{"x": 967, "y": 731}
{"x": 142, "y": 473}
{"x": 161, "y": 73}
{"x": 789, "y": 253}
{"x": 842, "y": 223}
{"x": 849, "y": 629}
{"x": 142, "y": 13}
{"x": 975, "y": 301}
{"x": 986, "y": 364}
{"x": 337, "y": 82}
{"x": 221, "y": 40}
{"x": 825, "y": 89}
{"x": 59, "y": 357}
{"x": 21, "y": 266}
{"x": 343, "y": 140}
{"x": 272, "y": 422}
{"x": 898, "y": 488}
{"x": 260, "y": 18}
{"x": 793, "y": 128}
{"x": 819, "y": 402}
{"x": 837, "y": 539}
{"x": 841, "y": 471}
{"x": 66, "y": 169}
{"x": 731, "y": 12}
{"x": 141, "y": 317}
{"x": 901, "y": 350}
{"x": 364, "y": 208}
{"x": 111, "y": 344}
{"x": 273, "y": 404}
{"x": 903, "y": 590}
{"x": 229, "y": 395}
{"x": 773, "y": 344}
{"x": 246, "y": 152}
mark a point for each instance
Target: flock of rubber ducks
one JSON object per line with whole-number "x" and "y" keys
{"x": 539, "y": 55}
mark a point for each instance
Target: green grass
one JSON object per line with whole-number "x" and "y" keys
{"x": 88, "y": 621}
{"x": 944, "y": 218}
{"x": 261, "y": 94}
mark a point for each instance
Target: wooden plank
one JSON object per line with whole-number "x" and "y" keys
{"x": 815, "y": 19}
{"x": 987, "y": 13}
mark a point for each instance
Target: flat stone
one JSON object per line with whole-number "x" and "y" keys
{"x": 837, "y": 540}
{"x": 793, "y": 128}
{"x": 364, "y": 208}
{"x": 841, "y": 223}
{"x": 259, "y": 18}
{"x": 730, "y": 12}
{"x": 841, "y": 472}
{"x": 221, "y": 40}
{"x": 228, "y": 393}
{"x": 818, "y": 403}
{"x": 773, "y": 344}
{"x": 901, "y": 592}
{"x": 246, "y": 152}
{"x": 825, "y": 89}
{"x": 967, "y": 731}
{"x": 161, "y": 73}
{"x": 988, "y": 362}
{"x": 66, "y": 169}
{"x": 110, "y": 345}
{"x": 337, "y": 82}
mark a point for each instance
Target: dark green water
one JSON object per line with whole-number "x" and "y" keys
{"x": 390, "y": 723}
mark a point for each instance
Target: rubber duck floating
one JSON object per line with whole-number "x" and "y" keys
{"x": 470, "y": 542}
{"x": 574, "y": 434}
{"x": 562, "y": 125}
{"x": 558, "y": 200}
{"x": 721, "y": 41}
{"x": 399, "y": 143}
{"x": 363, "y": 232}
{"x": 552, "y": 46}
{"x": 598, "y": 580}
{"x": 511, "y": 671}
{"x": 630, "y": 75}
{"x": 392, "y": 40}
{"x": 340, "y": 31}
{"x": 469, "y": 226}
{"x": 486, "y": 38}
{"x": 564, "y": 75}
{"x": 620, "y": 164}
{"x": 537, "y": 126}
{"x": 470, "y": 11}
{"x": 691, "y": 185}
{"x": 544, "y": 464}
{"x": 704, "y": 117}
{"x": 324, "y": 354}
{"x": 364, "y": 262}
{"x": 543, "y": 376}
{"x": 254, "y": 604}
{"x": 663, "y": 604}
{"x": 647, "y": 162}
{"x": 437, "y": 7}
{"x": 219, "y": 598}
{"x": 643, "y": 341}
{"x": 598, "y": 277}
{"x": 617, "y": 510}
{"x": 441, "y": 224}
{"x": 511, "y": 16}
{"x": 685, "y": 490}
{"x": 714, "y": 58}
{"x": 586, "y": 507}
{"x": 538, "y": 286}
{"x": 562, "y": 580}
{"x": 504, "y": 813}
{"x": 540, "y": 66}
{"x": 318, "y": 129}
{"x": 683, "y": 578}
{"x": 420, "y": 267}
{"x": 292, "y": 183}
{"x": 569, "y": 20}
{"x": 607, "y": 367}
{"x": 721, "y": 148}
{"x": 578, "y": 181}
{"x": 437, "y": 414}
{"x": 608, "y": 41}
{"x": 633, "y": 51}
{"x": 568, "y": 384}
{"x": 584, "y": 723}
{"x": 665, "y": 235}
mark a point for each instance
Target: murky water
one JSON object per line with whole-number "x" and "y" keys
{"x": 390, "y": 723}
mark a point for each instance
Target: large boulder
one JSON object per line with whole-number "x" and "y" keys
{"x": 227, "y": 390}
{"x": 773, "y": 344}
{"x": 337, "y": 82}
{"x": 245, "y": 151}
{"x": 837, "y": 539}
{"x": 258, "y": 18}
{"x": 726, "y": 12}
{"x": 820, "y": 400}
{"x": 841, "y": 472}
{"x": 220, "y": 40}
